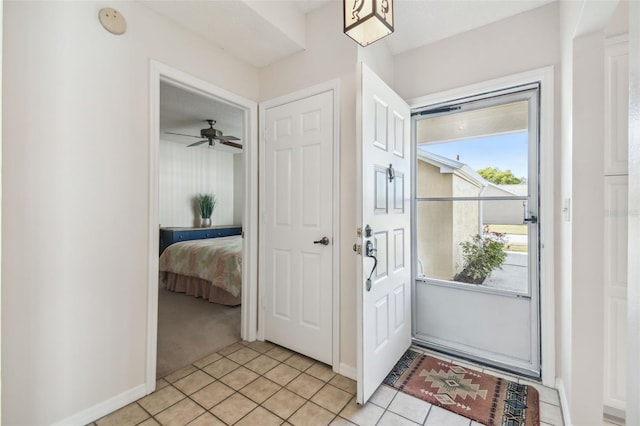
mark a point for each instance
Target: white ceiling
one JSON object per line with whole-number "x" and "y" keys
{"x": 261, "y": 32}
{"x": 186, "y": 112}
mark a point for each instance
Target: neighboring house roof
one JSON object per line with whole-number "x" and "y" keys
{"x": 447, "y": 165}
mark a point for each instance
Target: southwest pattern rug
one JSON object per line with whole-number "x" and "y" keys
{"x": 481, "y": 397}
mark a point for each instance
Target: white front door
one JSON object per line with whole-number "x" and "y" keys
{"x": 296, "y": 264}
{"x": 384, "y": 289}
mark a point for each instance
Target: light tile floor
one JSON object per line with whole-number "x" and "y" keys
{"x": 259, "y": 383}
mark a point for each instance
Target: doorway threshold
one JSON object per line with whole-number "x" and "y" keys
{"x": 476, "y": 364}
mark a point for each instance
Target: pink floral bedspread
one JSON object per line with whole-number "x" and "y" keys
{"x": 218, "y": 260}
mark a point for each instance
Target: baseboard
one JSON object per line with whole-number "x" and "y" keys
{"x": 564, "y": 402}
{"x": 348, "y": 371}
{"x": 614, "y": 415}
{"x": 102, "y": 409}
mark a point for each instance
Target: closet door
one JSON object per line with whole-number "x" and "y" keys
{"x": 615, "y": 226}
{"x": 615, "y": 290}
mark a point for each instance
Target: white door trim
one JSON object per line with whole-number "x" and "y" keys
{"x": 160, "y": 72}
{"x": 547, "y": 284}
{"x": 633, "y": 289}
{"x": 333, "y": 86}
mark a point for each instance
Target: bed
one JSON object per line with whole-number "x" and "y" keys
{"x": 209, "y": 268}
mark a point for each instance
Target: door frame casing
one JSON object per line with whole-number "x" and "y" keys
{"x": 160, "y": 72}
{"x": 547, "y": 283}
{"x": 329, "y": 86}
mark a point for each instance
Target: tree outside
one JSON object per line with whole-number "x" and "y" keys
{"x": 499, "y": 177}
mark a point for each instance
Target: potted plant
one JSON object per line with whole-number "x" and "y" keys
{"x": 482, "y": 255}
{"x": 207, "y": 203}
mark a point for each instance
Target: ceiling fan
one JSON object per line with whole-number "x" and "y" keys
{"x": 210, "y": 135}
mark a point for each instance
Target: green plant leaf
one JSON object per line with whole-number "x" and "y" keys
{"x": 207, "y": 203}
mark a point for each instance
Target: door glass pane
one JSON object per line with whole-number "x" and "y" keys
{"x": 476, "y": 226}
{"x": 481, "y": 152}
{"x": 478, "y": 152}
{"x": 479, "y": 243}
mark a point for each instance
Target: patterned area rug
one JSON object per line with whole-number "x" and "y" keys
{"x": 481, "y": 397}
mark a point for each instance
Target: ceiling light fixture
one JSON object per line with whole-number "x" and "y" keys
{"x": 367, "y": 21}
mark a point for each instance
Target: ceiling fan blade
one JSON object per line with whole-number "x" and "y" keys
{"x": 182, "y": 134}
{"x": 197, "y": 143}
{"x": 233, "y": 144}
{"x": 228, "y": 138}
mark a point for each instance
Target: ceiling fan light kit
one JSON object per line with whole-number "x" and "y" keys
{"x": 367, "y": 21}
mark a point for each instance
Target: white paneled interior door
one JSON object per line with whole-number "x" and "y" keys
{"x": 297, "y": 260}
{"x": 615, "y": 290}
{"x": 616, "y": 189}
{"x": 384, "y": 294}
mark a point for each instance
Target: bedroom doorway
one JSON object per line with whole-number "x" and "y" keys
{"x": 200, "y": 263}
{"x": 201, "y": 142}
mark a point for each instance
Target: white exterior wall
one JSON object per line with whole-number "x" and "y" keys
{"x": 76, "y": 190}
{"x": 501, "y": 212}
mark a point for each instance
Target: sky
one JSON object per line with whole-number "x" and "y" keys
{"x": 505, "y": 152}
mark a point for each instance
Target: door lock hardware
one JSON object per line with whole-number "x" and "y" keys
{"x": 357, "y": 248}
{"x": 367, "y": 231}
{"x": 391, "y": 173}
{"x": 525, "y": 213}
{"x": 368, "y": 251}
{"x": 324, "y": 241}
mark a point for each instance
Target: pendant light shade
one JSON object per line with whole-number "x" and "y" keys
{"x": 367, "y": 21}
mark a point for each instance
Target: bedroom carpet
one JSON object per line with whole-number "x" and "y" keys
{"x": 190, "y": 328}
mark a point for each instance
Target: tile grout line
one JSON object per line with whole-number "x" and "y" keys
{"x": 300, "y": 372}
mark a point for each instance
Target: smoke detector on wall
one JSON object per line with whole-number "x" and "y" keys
{"x": 112, "y": 21}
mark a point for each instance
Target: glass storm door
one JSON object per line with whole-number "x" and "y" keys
{"x": 476, "y": 229}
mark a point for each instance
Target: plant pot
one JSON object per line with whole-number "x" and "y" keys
{"x": 205, "y": 222}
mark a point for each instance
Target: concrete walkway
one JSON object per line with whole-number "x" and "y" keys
{"x": 513, "y": 276}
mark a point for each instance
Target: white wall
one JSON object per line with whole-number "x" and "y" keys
{"x": 524, "y": 42}
{"x": 587, "y": 292}
{"x": 186, "y": 172}
{"x": 75, "y": 191}
{"x": 581, "y": 256}
{"x": 330, "y": 55}
{"x": 569, "y": 15}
